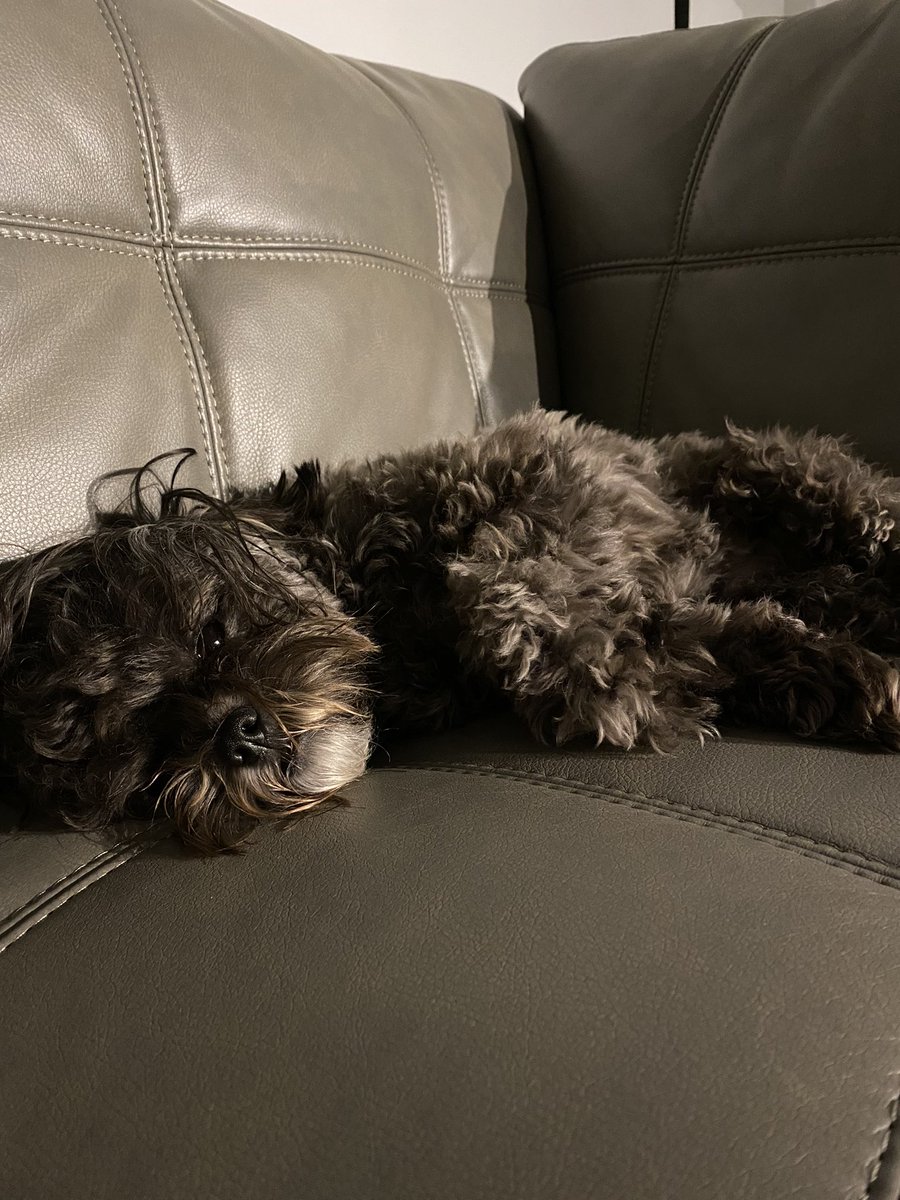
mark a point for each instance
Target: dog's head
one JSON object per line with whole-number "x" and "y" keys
{"x": 178, "y": 660}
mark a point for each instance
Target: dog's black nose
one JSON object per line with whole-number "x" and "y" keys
{"x": 242, "y": 738}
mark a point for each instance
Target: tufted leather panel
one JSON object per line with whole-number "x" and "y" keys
{"x": 721, "y": 210}
{"x": 214, "y": 235}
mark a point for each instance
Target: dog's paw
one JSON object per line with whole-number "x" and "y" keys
{"x": 885, "y": 706}
{"x": 868, "y": 690}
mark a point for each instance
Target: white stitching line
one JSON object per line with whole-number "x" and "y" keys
{"x": 190, "y": 362}
{"x": 212, "y": 395}
{"x": 24, "y": 216}
{"x": 475, "y": 284}
{"x": 108, "y": 852}
{"x": 476, "y": 294}
{"x": 441, "y": 212}
{"x": 306, "y": 256}
{"x": 431, "y": 166}
{"x": 145, "y": 166}
{"x": 488, "y": 293}
{"x": 138, "y": 845}
{"x": 274, "y": 243}
{"x": 214, "y": 432}
{"x": 500, "y": 283}
{"x": 51, "y": 239}
{"x": 468, "y": 356}
{"x": 312, "y": 239}
{"x": 829, "y": 852}
{"x": 158, "y": 156}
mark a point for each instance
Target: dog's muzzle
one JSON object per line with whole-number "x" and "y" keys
{"x": 241, "y": 739}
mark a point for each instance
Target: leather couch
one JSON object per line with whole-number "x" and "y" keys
{"x": 498, "y": 970}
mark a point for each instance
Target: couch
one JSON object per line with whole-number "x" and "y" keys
{"x": 497, "y": 969}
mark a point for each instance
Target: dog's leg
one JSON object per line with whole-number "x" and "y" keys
{"x": 806, "y": 494}
{"x": 786, "y": 675}
{"x": 578, "y": 655}
{"x": 804, "y": 521}
{"x": 864, "y": 606}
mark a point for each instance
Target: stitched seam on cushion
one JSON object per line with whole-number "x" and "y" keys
{"x": 685, "y": 208}
{"x": 191, "y": 363}
{"x": 437, "y": 191}
{"x": 440, "y": 202}
{"x": 572, "y": 274}
{"x": 148, "y": 253}
{"x": 424, "y": 276}
{"x": 874, "y": 1165}
{"x": 130, "y": 84}
{"x": 217, "y": 444}
{"x": 827, "y": 852}
{"x": 86, "y": 874}
{"x": 301, "y": 241}
{"x": 197, "y": 342}
{"x": 303, "y": 257}
{"x": 365, "y": 260}
{"x": 14, "y": 914}
{"x": 158, "y": 204}
{"x": 148, "y": 126}
{"x": 143, "y": 236}
{"x": 213, "y": 241}
{"x": 469, "y": 356}
{"x": 501, "y": 289}
{"x": 688, "y": 266}
{"x": 889, "y": 239}
{"x": 47, "y": 239}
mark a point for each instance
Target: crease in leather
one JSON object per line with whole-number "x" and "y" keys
{"x": 443, "y": 226}
{"x": 15, "y": 924}
{"x": 876, "y": 1162}
{"x": 158, "y": 205}
{"x": 685, "y": 209}
{"x": 869, "y": 867}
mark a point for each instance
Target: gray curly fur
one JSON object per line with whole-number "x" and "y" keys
{"x": 625, "y": 589}
{"x": 631, "y": 591}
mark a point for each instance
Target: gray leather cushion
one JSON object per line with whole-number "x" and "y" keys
{"x": 721, "y": 209}
{"x": 496, "y": 972}
{"x": 214, "y": 235}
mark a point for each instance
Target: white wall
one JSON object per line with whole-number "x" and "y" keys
{"x": 485, "y": 42}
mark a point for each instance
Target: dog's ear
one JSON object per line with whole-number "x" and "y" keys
{"x": 25, "y": 580}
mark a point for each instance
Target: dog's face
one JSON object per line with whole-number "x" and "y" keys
{"x": 178, "y": 663}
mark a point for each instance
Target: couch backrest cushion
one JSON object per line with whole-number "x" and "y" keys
{"x": 214, "y": 235}
{"x": 723, "y": 215}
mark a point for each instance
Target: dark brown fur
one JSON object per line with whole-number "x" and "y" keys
{"x": 631, "y": 591}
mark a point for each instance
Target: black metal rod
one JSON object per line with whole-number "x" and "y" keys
{"x": 682, "y": 14}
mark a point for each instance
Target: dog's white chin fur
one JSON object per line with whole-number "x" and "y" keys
{"x": 331, "y": 757}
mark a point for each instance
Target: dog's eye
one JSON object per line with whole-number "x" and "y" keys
{"x": 211, "y": 641}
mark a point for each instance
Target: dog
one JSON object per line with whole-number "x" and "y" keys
{"x": 227, "y": 662}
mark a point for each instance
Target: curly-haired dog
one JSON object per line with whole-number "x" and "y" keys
{"x": 224, "y": 662}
